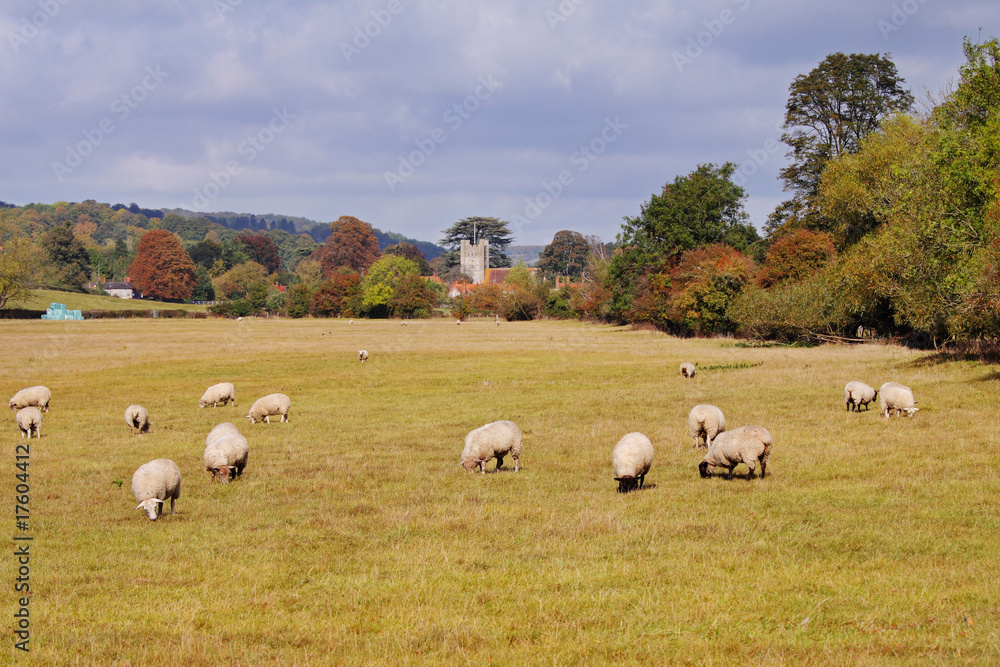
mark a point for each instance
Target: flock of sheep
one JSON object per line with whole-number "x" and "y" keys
{"x": 227, "y": 451}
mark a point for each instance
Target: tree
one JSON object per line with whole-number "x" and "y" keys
{"x": 796, "y": 255}
{"x": 702, "y": 208}
{"x": 337, "y": 294}
{"x": 69, "y": 261}
{"x": 352, "y": 243}
{"x": 474, "y": 230}
{"x": 203, "y": 290}
{"x": 15, "y": 258}
{"x": 299, "y": 298}
{"x": 261, "y": 249}
{"x": 412, "y": 297}
{"x": 565, "y": 256}
{"x": 828, "y": 113}
{"x": 241, "y": 280}
{"x": 411, "y": 252}
{"x": 205, "y": 253}
{"x": 162, "y": 268}
{"x": 380, "y": 283}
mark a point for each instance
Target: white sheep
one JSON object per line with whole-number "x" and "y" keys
{"x": 493, "y": 440}
{"x": 37, "y": 396}
{"x": 137, "y": 418}
{"x": 746, "y": 444}
{"x": 857, "y": 394}
{"x": 898, "y": 398}
{"x": 704, "y": 423}
{"x": 363, "y": 355}
{"x": 631, "y": 459}
{"x": 688, "y": 370}
{"x": 29, "y": 419}
{"x": 153, "y": 483}
{"x": 226, "y": 456}
{"x": 266, "y": 407}
{"x": 224, "y": 428}
{"x": 224, "y": 392}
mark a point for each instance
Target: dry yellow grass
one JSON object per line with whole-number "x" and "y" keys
{"x": 354, "y": 537}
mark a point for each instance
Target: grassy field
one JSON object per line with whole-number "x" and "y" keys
{"x": 354, "y": 537}
{"x": 41, "y": 298}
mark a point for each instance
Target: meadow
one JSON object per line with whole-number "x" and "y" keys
{"x": 354, "y": 538}
{"x": 41, "y": 298}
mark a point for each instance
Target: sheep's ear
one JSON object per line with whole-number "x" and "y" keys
{"x": 157, "y": 500}
{"x": 139, "y": 506}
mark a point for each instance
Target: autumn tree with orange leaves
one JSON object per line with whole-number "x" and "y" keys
{"x": 352, "y": 244}
{"x": 162, "y": 268}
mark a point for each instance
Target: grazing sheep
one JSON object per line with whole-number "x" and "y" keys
{"x": 688, "y": 370}
{"x": 403, "y": 323}
{"x": 153, "y": 483}
{"x": 225, "y": 428}
{"x": 37, "y": 396}
{"x": 272, "y": 404}
{"x": 363, "y": 355}
{"x": 226, "y": 456}
{"x": 704, "y": 423}
{"x": 746, "y": 444}
{"x": 857, "y": 394}
{"x": 29, "y": 419}
{"x": 493, "y": 440}
{"x": 631, "y": 459}
{"x": 224, "y": 392}
{"x": 137, "y": 418}
{"x": 898, "y": 398}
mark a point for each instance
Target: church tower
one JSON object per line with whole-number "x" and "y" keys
{"x": 475, "y": 259}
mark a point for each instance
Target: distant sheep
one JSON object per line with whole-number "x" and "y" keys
{"x": 268, "y": 406}
{"x": 857, "y": 394}
{"x": 746, "y": 444}
{"x": 898, "y": 398}
{"x": 29, "y": 419}
{"x": 226, "y": 456}
{"x": 493, "y": 440}
{"x": 631, "y": 459}
{"x": 153, "y": 483}
{"x": 704, "y": 423}
{"x": 32, "y": 396}
{"x": 137, "y": 418}
{"x": 688, "y": 370}
{"x": 363, "y": 355}
{"x": 224, "y": 392}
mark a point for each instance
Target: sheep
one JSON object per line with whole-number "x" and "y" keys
{"x": 29, "y": 419}
{"x": 631, "y": 459}
{"x": 493, "y": 440}
{"x": 857, "y": 394}
{"x": 898, "y": 398}
{"x": 224, "y": 392}
{"x": 137, "y": 418}
{"x": 225, "y": 428}
{"x": 363, "y": 355}
{"x": 37, "y": 396}
{"x": 746, "y": 444}
{"x": 704, "y": 423}
{"x": 688, "y": 370}
{"x": 226, "y": 456}
{"x": 272, "y": 404}
{"x": 153, "y": 483}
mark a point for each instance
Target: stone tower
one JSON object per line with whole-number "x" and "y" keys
{"x": 475, "y": 259}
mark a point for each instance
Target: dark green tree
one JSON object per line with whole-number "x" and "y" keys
{"x": 474, "y": 230}
{"x": 68, "y": 259}
{"x": 565, "y": 256}
{"x": 829, "y": 111}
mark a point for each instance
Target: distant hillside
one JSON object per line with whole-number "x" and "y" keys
{"x": 319, "y": 231}
{"x": 529, "y": 254}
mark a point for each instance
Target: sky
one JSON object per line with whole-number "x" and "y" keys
{"x": 411, "y": 115}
